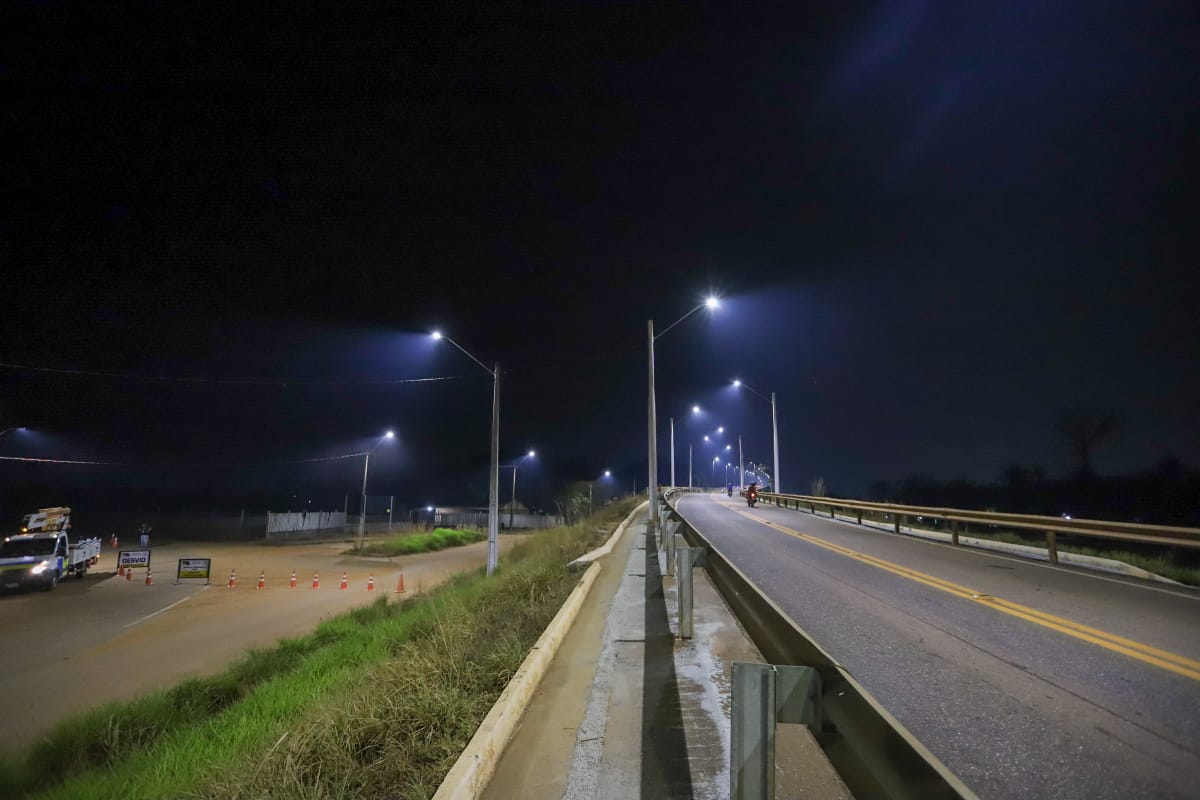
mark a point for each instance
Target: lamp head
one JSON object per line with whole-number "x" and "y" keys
{"x": 711, "y": 303}
{"x": 737, "y": 383}
{"x": 436, "y": 335}
{"x": 390, "y": 435}
{"x": 695, "y": 409}
{"x": 530, "y": 454}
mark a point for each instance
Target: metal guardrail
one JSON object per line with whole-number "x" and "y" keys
{"x": 871, "y": 751}
{"x": 959, "y": 518}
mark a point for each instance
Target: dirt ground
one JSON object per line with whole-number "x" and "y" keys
{"x": 105, "y": 638}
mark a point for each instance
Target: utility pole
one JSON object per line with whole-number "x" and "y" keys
{"x": 651, "y": 523}
{"x": 672, "y": 452}
{"x": 741, "y": 465}
{"x": 493, "y": 552}
{"x": 775, "y": 434}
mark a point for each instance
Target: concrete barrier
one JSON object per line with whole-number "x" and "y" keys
{"x": 471, "y": 772}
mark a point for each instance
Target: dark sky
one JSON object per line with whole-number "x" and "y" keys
{"x": 933, "y": 226}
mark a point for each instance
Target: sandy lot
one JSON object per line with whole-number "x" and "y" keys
{"x": 104, "y": 638}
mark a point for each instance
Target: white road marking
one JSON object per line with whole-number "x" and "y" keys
{"x": 160, "y": 611}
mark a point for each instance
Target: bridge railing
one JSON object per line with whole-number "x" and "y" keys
{"x": 958, "y": 518}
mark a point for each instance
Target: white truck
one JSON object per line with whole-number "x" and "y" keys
{"x": 42, "y": 554}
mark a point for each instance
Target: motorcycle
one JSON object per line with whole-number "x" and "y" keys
{"x": 751, "y": 495}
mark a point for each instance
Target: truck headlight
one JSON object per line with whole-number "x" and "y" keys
{"x": 40, "y": 568}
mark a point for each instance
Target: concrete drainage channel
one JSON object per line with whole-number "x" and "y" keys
{"x": 872, "y": 752}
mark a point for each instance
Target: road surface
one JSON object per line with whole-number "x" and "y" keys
{"x": 1026, "y": 680}
{"x": 104, "y": 638}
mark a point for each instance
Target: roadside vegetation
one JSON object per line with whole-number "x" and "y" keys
{"x": 408, "y": 543}
{"x": 376, "y": 703}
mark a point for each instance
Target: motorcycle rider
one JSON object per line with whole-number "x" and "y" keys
{"x": 729, "y": 489}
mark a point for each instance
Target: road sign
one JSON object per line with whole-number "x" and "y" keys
{"x": 133, "y": 559}
{"x": 194, "y": 568}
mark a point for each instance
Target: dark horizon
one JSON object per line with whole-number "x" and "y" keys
{"x": 933, "y": 229}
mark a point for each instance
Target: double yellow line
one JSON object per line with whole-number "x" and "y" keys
{"x": 1110, "y": 641}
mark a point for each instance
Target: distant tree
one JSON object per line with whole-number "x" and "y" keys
{"x": 1016, "y": 476}
{"x": 1085, "y": 429}
{"x": 881, "y": 491}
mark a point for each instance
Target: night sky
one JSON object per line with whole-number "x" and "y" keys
{"x": 933, "y": 227}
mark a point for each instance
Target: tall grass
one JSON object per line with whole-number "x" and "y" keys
{"x": 409, "y": 543}
{"x": 376, "y": 703}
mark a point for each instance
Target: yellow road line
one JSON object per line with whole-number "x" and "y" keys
{"x": 1173, "y": 662}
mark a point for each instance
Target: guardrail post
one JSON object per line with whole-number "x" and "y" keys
{"x": 832, "y": 511}
{"x": 683, "y": 557}
{"x": 897, "y": 521}
{"x": 860, "y": 516}
{"x": 763, "y": 695}
{"x": 1052, "y": 546}
{"x": 954, "y": 531}
{"x": 670, "y": 545}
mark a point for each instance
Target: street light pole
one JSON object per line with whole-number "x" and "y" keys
{"x": 512, "y": 504}
{"x": 362, "y": 510}
{"x": 672, "y": 452}
{"x": 741, "y": 465}
{"x": 651, "y": 525}
{"x": 651, "y": 412}
{"x": 493, "y": 549}
{"x": 774, "y": 429}
{"x": 689, "y": 465}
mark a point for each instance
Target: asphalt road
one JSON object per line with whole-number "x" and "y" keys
{"x": 1026, "y": 680}
{"x": 103, "y": 638}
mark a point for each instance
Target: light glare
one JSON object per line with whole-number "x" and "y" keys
{"x": 436, "y": 334}
{"x": 711, "y": 302}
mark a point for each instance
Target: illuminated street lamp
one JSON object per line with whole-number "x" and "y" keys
{"x": 362, "y": 511}
{"x": 711, "y": 304}
{"x": 716, "y": 460}
{"x": 513, "y": 502}
{"x": 493, "y": 549}
{"x": 607, "y": 474}
{"x": 695, "y": 412}
{"x": 774, "y": 427}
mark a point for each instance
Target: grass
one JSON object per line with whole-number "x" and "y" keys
{"x": 378, "y": 702}
{"x": 409, "y": 543}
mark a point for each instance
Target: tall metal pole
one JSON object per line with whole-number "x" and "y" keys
{"x": 493, "y": 550}
{"x": 672, "y": 452}
{"x": 741, "y": 465}
{"x": 775, "y": 431}
{"x": 362, "y": 511}
{"x": 512, "y": 504}
{"x": 689, "y": 465}
{"x": 391, "y": 504}
{"x": 651, "y": 487}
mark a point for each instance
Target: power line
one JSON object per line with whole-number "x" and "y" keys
{"x": 282, "y": 383}
{"x": 181, "y": 463}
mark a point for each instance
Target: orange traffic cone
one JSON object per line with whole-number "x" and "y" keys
{"x": 316, "y": 581}
{"x": 149, "y": 577}
{"x": 400, "y": 584}
{"x": 262, "y": 580}
{"x": 344, "y": 584}
{"x": 370, "y": 583}
{"x": 292, "y": 582}
{"x": 120, "y": 570}
{"x": 233, "y": 579}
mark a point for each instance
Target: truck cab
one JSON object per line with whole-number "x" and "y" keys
{"x": 43, "y": 553}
